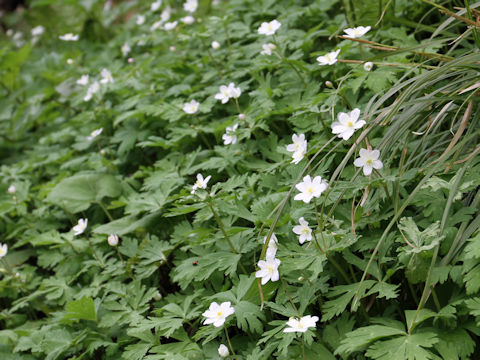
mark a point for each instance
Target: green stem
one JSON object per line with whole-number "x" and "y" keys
{"x": 303, "y": 346}
{"x": 105, "y": 210}
{"x": 229, "y": 342}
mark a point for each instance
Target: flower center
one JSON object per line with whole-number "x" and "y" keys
{"x": 305, "y": 231}
{"x": 350, "y": 124}
{"x": 369, "y": 162}
{"x": 2, "y": 252}
{"x": 310, "y": 190}
{"x": 219, "y": 313}
{"x": 270, "y": 268}
{"x": 198, "y": 183}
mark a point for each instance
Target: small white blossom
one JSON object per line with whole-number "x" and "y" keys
{"x": 223, "y": 351}
{"x": 83, "y": 81}
{"x": 310, "y": 188}
{"x": 38, "y": 30}
{"x": 126, "y": 49}
{"x": 368, "y": 66}
{"x": 235, "y": 92}
{"x": 166, "y": 13}
{"x": 12, "y": 189}
{"x": 191, "y": 107}
{"x": 368, "y": 160}
{"x": 95, "y": 133}
{"x": 267, "y": 49}
{"x": 302, "y": 324}
{"x": 69, "y": 61}
{"x": 140, "y": 19}
{"x": 217, "y": 314}
{"x": 3, "y": 250}
{"x": 190, "y": 5}
{"x": 106, "y": 76}
{"x": 215, "y": 45}
{"x": 172, "y": 48}
{"x": 80, "y": 227}
{"x": 224, "y": 94}
{"x": 170, "y": 25}
{"x": 357, "y": 32}
{"x": 131, "y": 60}
{"x": 347, "y": 124}
{"x": 268, "y": 270}
{"x": 201, "y": 183}
{"x": 272, "y": 246}
{"x": 269, "y": 28}
{"x": 68, "y": 37}
{"x": 329, "y": 58}
{"x": 156, "y": 25}
{"x": 112, "y": 240}
{"x": 188, "y": 20}
{"x": 299, "y": 147}
{"x": 92, "y": 89}
{"x": 230, "y": 137}
{"x": 156, "y": 5}
{"x": 303, "y": 230}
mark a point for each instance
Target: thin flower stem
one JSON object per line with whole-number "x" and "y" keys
{"x": 215, "y": 64}
{"x": 229, "y": 342}
{"x": 235, "y": 100}
{"x": 303, "y": 346}
{"x": 105, "y": 210}
{"x": 289, "y": 297}
{"x": 95, "y": 253}
{"x": 120, "y": 256}
{"x": 222, "y": 228}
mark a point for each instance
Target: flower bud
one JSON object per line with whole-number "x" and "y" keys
{"x": 215, "y": 45}
{"x": 172, "y": 48}
{"x": 368, "y": 66}
{"x": 157, "y": 296}
{"x": 329, "y": 84}
{"x": 241, "y": 116}
{"x": 301, "y": 278}
{"x": 223, "y": 351}
{"x": 130, "y": 60}
{"x": 12, "y": 189}
{"x": 112, "y": 239}
{"x": 69, "y": 61}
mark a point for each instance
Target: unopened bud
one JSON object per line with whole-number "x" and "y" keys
{"x": 241, "y": 116}
{"x": 172, "y": 48}
{"x": 130, "y": 60}
{"x": 69, "y": 61}
{"x": 301, "y": 278}
{"x": 329, "y": 84}
{"x": 215, "y": 45}
{"x": 157, "y": 296}
{"x": 12, "y": 189}
{"x": 112, "y": 239}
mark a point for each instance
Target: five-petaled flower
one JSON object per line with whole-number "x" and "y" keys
{"x": 310, "y": 188}
{"x": 170, "y": 25}
{"x": 156, "y": 5}
{"x": 140, "y": 19}
{"x": 94, "y": 134}
{"x": 269, "y": 28}
{"x": 299, "y": 147}
{"x": 329, "y": 58}
{"x": 190, "y": 5}
{"x": 268, "y": 270}
{"x": 303, "y": 230}
{"x": 217, "y": 314}
{"x": 191, "y": 107}
{"x": 230, "y": 137}
{"x": 368, "y": 160}
{"x": 106, "y": 76}
{"x": 80, "y": 227}
{"x": 83, "y": 81}
{"x": 68, "y": 37}
{"x": 347, "y": 124}
{"x": 302, "y": 324}
{"x": 268, "y": 49}
{"x": 38, "y": 30}
{"x": 187, "y": 19}
{"x": 357, "y": 32}
{"x": 201, "y": 183}
{"x": 3, "y": 250}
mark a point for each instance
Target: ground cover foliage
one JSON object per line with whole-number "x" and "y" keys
{"x": 391, "y": 266}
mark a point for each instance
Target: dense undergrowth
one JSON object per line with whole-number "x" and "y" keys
{"x": 388, "y": 266}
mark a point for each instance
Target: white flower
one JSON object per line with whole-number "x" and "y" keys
{"x": 69, "y": 61}
{"x": 125, "y": 49}
{"x": 140, "y": 19}
{"x": 190, "y": 5}
{"x": 272, "y": 246}
{"x": 166, "y": 13}
{"x": 156, "y": 25}
{"x": 357, "y": 32}
{"x": 268, "y": 270}
{"x": 329, "y": 58}
{"x": 216, "y": 314}
{"x": 310, "y": 189}
{"x": 347, "y": 124}
{"x": 224, "y": 94}
{"x": 112, "y": 240}
{"x": 188, "y": 20}
{"x": 201, "y": 183}
{"x": 368, "y": 160}
{"x": 3, "y": 250}
{"x": 223, "y": 351}
{"x": 68, "y": 37}
{"x": 303, "y": 230}
{"x": 299, "y": 147}
{"x": 302, "y": 324}
{"x": 269, "y": 28}
{"x": 215, "y": 45}
{"x": 80, "y": 227}
{"x": 267, "y": 49}
{"x": 191, "y": 107}
{"x": 83, "y": 80}
{"x": 230, "y": 137}
{"x": 170, "y": 25}
{"x": 235, "y": 92}
{"x": 368, "y": 66}
{"x": 92, "y": 89}
{"x": 156, "y": 5}
{"x": 106, "y": 77}
{"x": 12, "y": 189}
{"x": 94, "y": 134}
{"x": 38, "y": 30}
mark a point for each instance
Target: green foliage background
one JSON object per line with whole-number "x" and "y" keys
{"x": 395, "y": 271}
